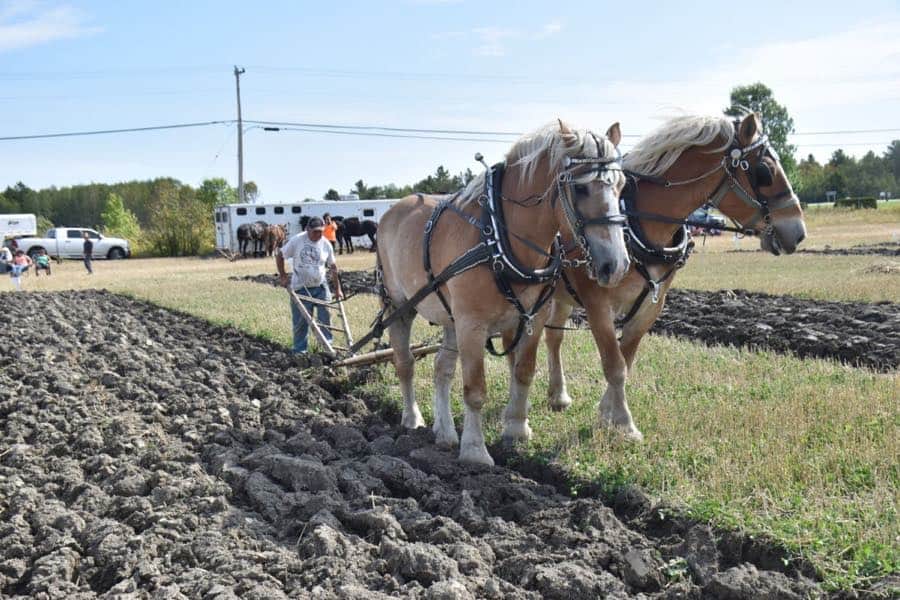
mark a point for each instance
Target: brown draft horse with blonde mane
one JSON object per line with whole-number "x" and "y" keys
{"x": 556, "y": 180}
{"x": 687, "y": 162}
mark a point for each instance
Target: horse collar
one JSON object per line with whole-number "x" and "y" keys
{"x": 641, "y": 249}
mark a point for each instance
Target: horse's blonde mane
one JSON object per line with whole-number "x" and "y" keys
{"x": 528, "y": 150}
{"x": 659, "y": 150}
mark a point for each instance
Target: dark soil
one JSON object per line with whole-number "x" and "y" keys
{"x": 854, "y": 333}
{"x": 149, "y": 454}
{"x": 882, "y": 249}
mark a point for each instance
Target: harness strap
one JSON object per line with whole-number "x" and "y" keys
{"x": 653, "y": 286}
{"x": 473, "y": 257}
{"x": 426, "y": 254}
{"x": 571, "y": 289}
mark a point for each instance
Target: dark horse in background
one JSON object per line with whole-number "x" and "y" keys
{"x": 252, "y": 232}
{"x": 349, "y": 228}
{"x": 352, "y": 227}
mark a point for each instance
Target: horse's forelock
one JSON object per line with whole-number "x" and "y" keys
{"x": 549, "y": 141}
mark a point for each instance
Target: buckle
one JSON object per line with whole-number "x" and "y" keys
{"x": 654, "y": 291}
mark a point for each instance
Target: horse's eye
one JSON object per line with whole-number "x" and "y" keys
{"x": 580, "y": 189}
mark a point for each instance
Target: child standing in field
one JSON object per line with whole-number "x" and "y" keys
{"x": 20, "y": 264}
{"x": 41, "y": 263}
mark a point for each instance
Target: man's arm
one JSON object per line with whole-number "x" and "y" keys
{"x": 338, "y": 292}
{"x": 279, "y": 264}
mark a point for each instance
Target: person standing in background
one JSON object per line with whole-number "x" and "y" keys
{"x": 330, "y": 231}
{"x": 88, "y": 252}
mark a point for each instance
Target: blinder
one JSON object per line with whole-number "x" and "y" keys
{"x": 763, "y": 175}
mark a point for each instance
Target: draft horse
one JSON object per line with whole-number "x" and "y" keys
{"x": 275, "y": 236}
{"x": 352, "y": 227}
{"x": 493, "y": 246}
{"x": 255, "y": 233}
{"x": 687, "y": 162}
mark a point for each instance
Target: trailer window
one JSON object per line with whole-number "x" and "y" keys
{"x": 260, "y": 210}
{"x": 368, "y": 212}
{"x": 279, "y": 210}
{"x": 242, "y": 211}
{"x": 296, "y": 209}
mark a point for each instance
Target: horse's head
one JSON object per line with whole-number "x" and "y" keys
{"x": 589, "y": 185}
{"x": 763, "y": 199}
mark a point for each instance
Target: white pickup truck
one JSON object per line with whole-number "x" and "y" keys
{"x": 68, "y": 242}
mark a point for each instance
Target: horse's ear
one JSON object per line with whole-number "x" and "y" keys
{"x": 568, "y": 136}
{"x": 749, "y": 127}
{"x": 614, "y": 133}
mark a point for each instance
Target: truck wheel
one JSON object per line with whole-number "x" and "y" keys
{"x": 116, "y": 254}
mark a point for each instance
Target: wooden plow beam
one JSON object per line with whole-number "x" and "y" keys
{"x": 355, "y": 360}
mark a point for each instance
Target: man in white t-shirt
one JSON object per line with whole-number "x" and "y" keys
{"x": 310, "y": 253}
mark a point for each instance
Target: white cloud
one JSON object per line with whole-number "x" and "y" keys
{"x": 491, "y": 40}
{"x": 25, "y": 23}
{"x": 549, "y": 29}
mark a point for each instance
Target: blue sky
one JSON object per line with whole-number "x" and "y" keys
{"x": 428, "y": 64}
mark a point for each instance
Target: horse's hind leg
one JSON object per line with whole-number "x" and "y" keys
{"x": 557, "y": 393}
{"x": 444, "y": 369}
{"x": 404, "y": 363}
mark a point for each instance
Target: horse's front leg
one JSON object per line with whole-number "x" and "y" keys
{"x": 613, "y": 410}
{"x": 521, "y": 373}
{"x": 470, "y": 339}
{"x": 444, "y": 369}
{"x": 557, "y": 393}
{"x": 405, "y": 365}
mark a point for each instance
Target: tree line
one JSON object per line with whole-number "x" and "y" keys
{"x": 160, "y": 217}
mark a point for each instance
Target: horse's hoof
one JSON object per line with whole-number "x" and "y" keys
{"x": 627, "y": 430}
{"x": 476, "y": 456}
{"x": 516, "y": 432}
{"x": 446, "y": 439}
{"x": 560, "y": 402}
{"x": 412, "y": 420}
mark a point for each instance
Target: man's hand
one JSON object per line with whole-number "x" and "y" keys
{"x": 284, "y": 280}
{"x": 339, "y": 295}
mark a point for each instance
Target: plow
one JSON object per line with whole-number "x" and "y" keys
{"x": 346, "y": 355}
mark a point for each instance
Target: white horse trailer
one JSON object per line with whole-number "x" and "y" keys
{"x": 229, "y": 217}
{"x": 17, "y": 225}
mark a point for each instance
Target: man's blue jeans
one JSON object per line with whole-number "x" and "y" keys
{"x": 301, "y": 327}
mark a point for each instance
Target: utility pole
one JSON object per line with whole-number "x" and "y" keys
{"x": 240, "y": 136}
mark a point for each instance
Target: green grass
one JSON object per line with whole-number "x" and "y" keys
{"x": 804, "y": 451}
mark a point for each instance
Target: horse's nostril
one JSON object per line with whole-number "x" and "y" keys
{"x": 605, "y": 271}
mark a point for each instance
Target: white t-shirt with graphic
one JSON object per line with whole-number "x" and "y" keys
{"x": 309, "y": 260}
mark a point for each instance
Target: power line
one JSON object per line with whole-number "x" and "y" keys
{"x": 383, "y": 128}
{"x": 847, "y": 131}
{"x": 105, "y": 131}
{"x": 394, "y": 132}
{"x": 388, "y": 135}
